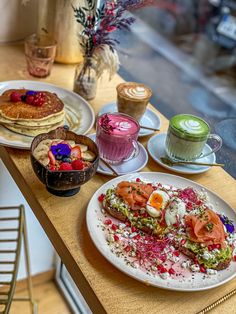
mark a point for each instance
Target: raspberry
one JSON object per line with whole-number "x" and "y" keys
{"x": 133, "y": 229}
{"x": 77, "y": 164}
{"x": 41, "y": 94}
{"x": 29, "y": 99}
{"x": 65, "y": 166}
{"x": 15, "y": 96}
{"x": 39, "y": 100}
{"x": 108, "y": 222}
{"x": 138, "y": 180}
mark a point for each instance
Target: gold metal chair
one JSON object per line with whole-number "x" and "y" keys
{"x": 12, "y": 233}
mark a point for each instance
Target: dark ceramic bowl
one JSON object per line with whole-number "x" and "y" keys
{"x": 64, "y": 183}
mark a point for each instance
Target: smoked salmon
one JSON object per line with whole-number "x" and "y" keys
{"x": 133, "y": 193}
{"x": 206, "y": 228}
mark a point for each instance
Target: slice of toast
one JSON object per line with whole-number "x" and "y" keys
{"x": 118, "y": 209}
{"x": 217, "y": 259}
{"x": 218, "y": 265}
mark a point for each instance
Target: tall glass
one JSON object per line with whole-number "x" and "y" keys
{"x": 116, "y": 137}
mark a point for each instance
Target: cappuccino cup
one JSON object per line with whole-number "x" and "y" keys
{"x": 132, "y": 99}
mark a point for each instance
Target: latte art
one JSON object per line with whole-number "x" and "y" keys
{"x": 136, "y": 92}
{"x": 132, "y": 98}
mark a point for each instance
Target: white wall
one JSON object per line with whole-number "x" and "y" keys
{"x": 17, "y": 20}
{"x": 41, "y": 250}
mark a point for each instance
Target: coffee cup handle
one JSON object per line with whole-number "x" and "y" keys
{"x": 218, "y": 140}
{"x": 135, "y": 151}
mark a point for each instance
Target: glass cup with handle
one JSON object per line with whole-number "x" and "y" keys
{"x": 116, "y": 137}
{"x": 187, "y": 136}
{"x": 133, "y": 98}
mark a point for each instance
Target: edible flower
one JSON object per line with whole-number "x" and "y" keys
{"x": 227, "y": 223}
{"x": 105, "y": 124}
{"x": 60, "y": 149}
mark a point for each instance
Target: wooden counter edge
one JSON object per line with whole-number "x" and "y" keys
{"x": 62, "y": 250}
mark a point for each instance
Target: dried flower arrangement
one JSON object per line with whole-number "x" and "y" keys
{"x": 97, "y": 41}
{"x": 98, "y": 24}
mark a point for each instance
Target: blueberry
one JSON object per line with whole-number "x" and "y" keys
{"x": 66, "y": 127}
{"x": 31, "y": 92}
{"x": 23, "y": 97}
{"x": 58, "y": 157}
{"x": 66, "y": 159}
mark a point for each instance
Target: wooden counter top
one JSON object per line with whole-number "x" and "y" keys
{"x": 105, "y": 288}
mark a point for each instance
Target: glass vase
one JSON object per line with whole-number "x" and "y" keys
{"x": 85, "y": 81}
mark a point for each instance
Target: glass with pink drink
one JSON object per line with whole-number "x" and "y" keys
{"x": 116, "y": 137}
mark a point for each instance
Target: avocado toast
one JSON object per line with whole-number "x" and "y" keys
{"x": 183, "y": 216}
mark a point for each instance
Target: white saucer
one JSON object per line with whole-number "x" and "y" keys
{"x": 149, "y": 119}
{"x": 156, "y": 148}
{"x": 133, "y": 165}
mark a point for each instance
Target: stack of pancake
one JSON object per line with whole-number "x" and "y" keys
{"x": 31, "y": 120}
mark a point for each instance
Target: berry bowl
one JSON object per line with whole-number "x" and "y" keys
{"x": 63, "y": 160}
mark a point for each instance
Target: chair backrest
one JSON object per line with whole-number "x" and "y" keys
{"x": 11, "y": 229}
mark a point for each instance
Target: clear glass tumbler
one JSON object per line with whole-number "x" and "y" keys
{"x": 40, "y": 53}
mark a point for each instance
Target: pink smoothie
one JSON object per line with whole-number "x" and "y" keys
{"x": 116, "y": 136}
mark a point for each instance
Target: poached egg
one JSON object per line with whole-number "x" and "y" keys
{"x": 156, "y": 202}
{"x": 175, "y": 211}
